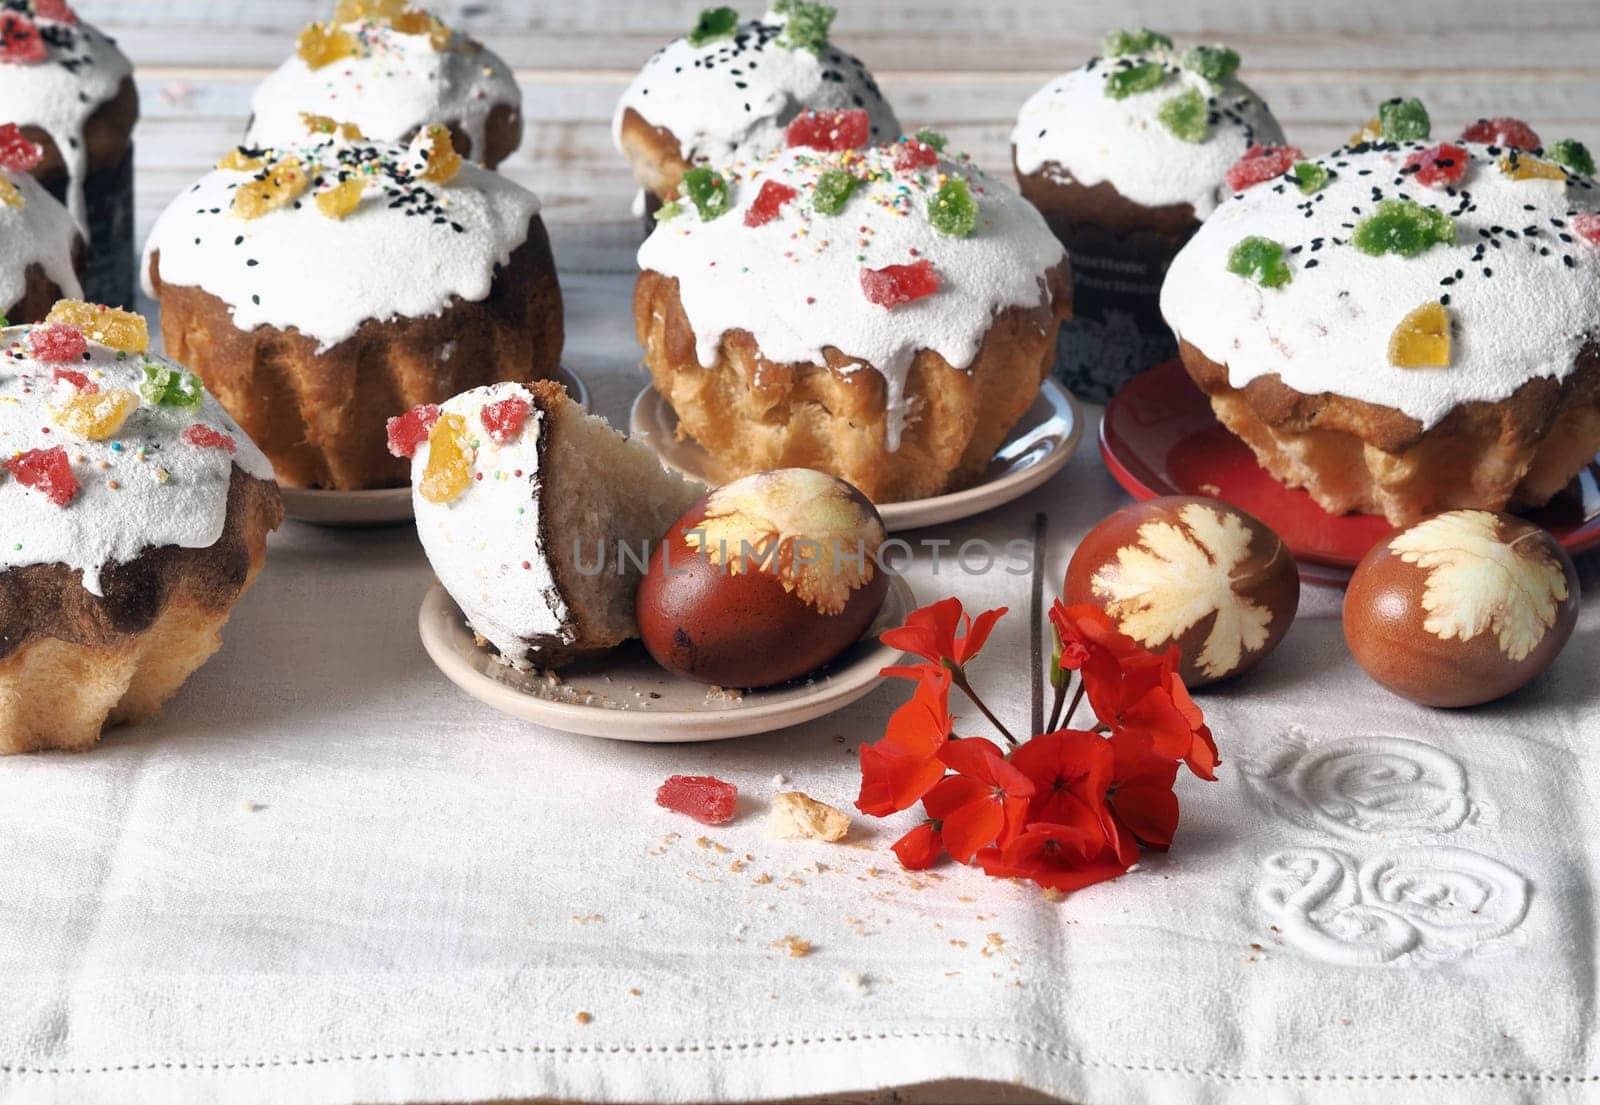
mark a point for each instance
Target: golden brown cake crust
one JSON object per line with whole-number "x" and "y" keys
{"x": 1072, "y": 208}
{"x": 655, "y": 154}
{"x": 319, "y": 417}
{"x": 751, "y": 414}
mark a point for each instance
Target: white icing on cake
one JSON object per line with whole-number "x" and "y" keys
{"x": 408, "y": 250}
{"x": 795, "y": 283}
{"x": 487, "y": 545}
{"x": 84, "y": 69}
{"x": 398, "y": 83}
{"x": 1524, "y": 291}
{"x": 40, "y": 232}
{"x": 733, "y": 97}
{"x": 1072, "y": 123}
{"x": 168, "y": 492}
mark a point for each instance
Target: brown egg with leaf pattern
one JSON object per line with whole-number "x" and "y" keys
{"x": 1192, "y": 572}
{"x": 764, "y": 580}
{"x": 1461, "y": 608}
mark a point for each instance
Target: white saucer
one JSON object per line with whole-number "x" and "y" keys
{"x": 1040, "y": 444}
{"x": 626, "y": 696}
{"x": 384, "y": 506}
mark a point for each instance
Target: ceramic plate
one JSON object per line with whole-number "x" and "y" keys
{"x": 385, "y": 506}
{"x": 1040, "y": 444}
{"x": 1159, "y": 437}
{"x": 626, "y": 696}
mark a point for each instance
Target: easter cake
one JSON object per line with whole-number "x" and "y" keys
{"x": 39, "y": 241}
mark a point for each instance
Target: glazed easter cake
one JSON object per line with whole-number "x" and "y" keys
{"x": 133, "y": 513}
{"x": 38, "y": 238}
{"x": 390, "y": 69}
{"x": 1404, "y": 326}
{"x": 521, "y": 502}
{"x": 727, "y": 89}
{"x": 1125, "y": 156}
{"x": 71, "y": 91}
{"x": 324, "y": 286}
{"x": 881, "y": 313}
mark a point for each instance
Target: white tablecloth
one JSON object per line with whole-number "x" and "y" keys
{"x": 324, "y": 875}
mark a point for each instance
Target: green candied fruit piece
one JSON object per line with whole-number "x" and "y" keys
{"x": 932, "y": 138}
{"x": 1404, "y": 120}
{"x": 1118, "y": 43}
{"x": 1573, "y": 156}
{"x": 1215, "y": 63}
{"x": 1122, "y": 83}
{"x": 669, "y": 210}
{"x": 707, "y": 190}
{"x": 1261, "y": 260}
{"x": 1185, "y": 115}
{"x": 714, "y": 25}
{"x": 1309, "y": 177}
{"x": 806, "y": 26}
{"x": 952, "y": 210}
{"x": 170, "y": 387}
{"x": 1404, "y": 227}
{"x": 833, "y": 190}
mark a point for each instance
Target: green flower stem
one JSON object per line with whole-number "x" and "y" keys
{"x": 959, "y": 678}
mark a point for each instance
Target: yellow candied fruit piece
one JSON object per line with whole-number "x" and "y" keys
{"x": 1422, "y": 340}
{"x": 284, "y": 183}
{"x": 240, "y": 162}
{"x": 1520, "y": 166}
{"x": 325, "y": 43}
{"x": 322, "y": 124}
{"x": 9, "y": 196}
{"x": 417, "y": 22}
{"x": 450, "y": 456}
{"x": 1370, "y": 131}
{"x": 443, "y": 162}
{"x": 352, "y": 11}
{"x": 110, "y": 326}
{"x": 341, "y": 199}
{"x": 95, "y": 416}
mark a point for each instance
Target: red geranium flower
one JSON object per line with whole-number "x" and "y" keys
{"x": 1071, "y": 772}
{"x": 984, "y": 803}
{"x": 921, "y": 847}
{"x": 1087, "y": 634}
{"x": 1056, "y": 857}
{"x": 1143, "y": 699}
{"x": 943, "y": 633}
{"x": 1141, "y": 798}
{"x": 905, "y": 764}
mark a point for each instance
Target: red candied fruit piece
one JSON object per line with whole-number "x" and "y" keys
{"x": 16, "y": 152}
{"x": 78, "y": 380}
{"x": 504, "y": 419}
{"x": 20, "y": 41}
{"x": 1260, "y": 164}
{"x": 1503, "y": 131}
{"x": 1439, "y": 166}
{"x": 913, "y": 155}
{"x": 829, "y": 130}
{"x": 1587, "y": 226}
{"x": 57, "y": 343}
{"x": 204, "y": 437}
{"x": 47, "y": 471}
{"x": 768, "y": 201}
{"x": 705, "y": 798}
{"x": 897, "y": 284}
{"x": 57, "y": 10}
{"x": 408, "y": 431}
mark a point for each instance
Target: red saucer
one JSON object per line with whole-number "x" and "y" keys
{"x": 1159, "y": 437}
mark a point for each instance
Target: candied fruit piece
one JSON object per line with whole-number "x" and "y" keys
{"x": 1371, "y": 131}
{"x": 74, "y": 378}
{"x": 1124, "y": 82}
{"x": 277, "y": 186}
{"x": 714, "y": 25}
{"x": 322, "y": 124}
{"x": 669, "y": 210}
{"x": 1260, "y": 164}
{"x": 110, "y": 326}
{"x": 707, "y": 190}
{"x": 768, "y": 201}
{"x": 1503, "y": 131}
{"x": 9, "y": 195}
{"x": 1260, "y": 259}
{"x": 341, "y": 199}
{"x": 20, "y": 41}
{"x": 930, "y": 137}
{"x": 240, "y": 160}
{"x": 912, "y": 154}
{"x": 325, "y": 43}
{"x": 1185, "y": 115}
{"x": 1215, "y": 63}
{"x": 1522, "y": 166}
{"x": 353, "y": 11}
{"x": 47, "y": 471}
{"x": 705, "y": 798}
{"x": 95, "y": 415}
{"x": 1403, "y": 120}
{"x": 503, "y": 420}
{"x": 56, "y": 343}
{"x": 408, "y": 431}
{"x": 1587, "y": 226}
{"x": 440, "y": 162}
{"x": 1572, "y": 154}
{"x": 832, "y": 191}
{"x": 167, "y": 386}
{"x": 1405, "y": 227}
{"x": 897, "y": 284}
{"x": 205, "y": 437}
{"x": 806, "y": 25}
{"x": 450, "y": 454}
{"x": 1438, "y": 166}
{"x": 16, "y": 152}
{"x": 829, "y": 131}
{"x": 1422, "y": 340}
{"x": 57, "y": 11}
{"x": 423, "y": 23}
{"x": 1309, "y": 177}
{"x": 1120, "y": 42}
{"x": 952, "y": 210}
